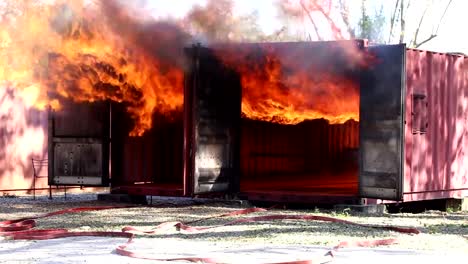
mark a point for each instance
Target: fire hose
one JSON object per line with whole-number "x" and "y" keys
{"x": 23, "y": 229}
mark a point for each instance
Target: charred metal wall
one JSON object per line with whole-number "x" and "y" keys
{"x": 155, "y": 157}
{"x": 313, "y": 153}
{"x": 216, "y": 111}
{"x": 381, "y": 114}
{"x": 436, "y": 138}
{"x": 79, "y": 144}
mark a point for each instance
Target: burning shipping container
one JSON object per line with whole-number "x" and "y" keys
{"x": 309, "y": 122}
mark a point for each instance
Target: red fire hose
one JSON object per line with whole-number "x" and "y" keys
{"x": 23, "y": 229}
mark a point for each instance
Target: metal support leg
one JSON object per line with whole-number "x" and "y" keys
{"x": 34, "y": 187}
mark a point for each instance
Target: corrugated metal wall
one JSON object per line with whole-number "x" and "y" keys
{"x": 23, "y": 135}
{"x": 312, "y": 153}
{"x": 155, "y": 157}
{"x": 436, "y": 158}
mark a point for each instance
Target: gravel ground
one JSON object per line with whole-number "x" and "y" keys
{"x": 441, "y": 231}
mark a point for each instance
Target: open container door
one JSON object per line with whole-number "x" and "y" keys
{"x": 382, "y": 124}
{"x": 213, "y": 105}
{"x": 79, "y": 145}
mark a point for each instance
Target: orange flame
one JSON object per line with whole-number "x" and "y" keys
{"x": 85, "y": 53}
{"x": 100, "y": 51}
{"x": 284, "y": 89}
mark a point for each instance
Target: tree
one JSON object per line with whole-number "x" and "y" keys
{"x": 400, "y": 14}
{"x": 319, "y": 14}
{"x": 370, "y": 27}
{"x": 217, "y": 22}
{"x": 373, "y": 26}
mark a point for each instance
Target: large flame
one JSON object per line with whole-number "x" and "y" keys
{"x": 90, "y": 51}
{"x": 94, "y": 52}
{"x": 292, "y": 85}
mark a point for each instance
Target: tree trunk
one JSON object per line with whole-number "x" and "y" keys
{"x": 392, "y": 20}
{"x": 402, "y": 21}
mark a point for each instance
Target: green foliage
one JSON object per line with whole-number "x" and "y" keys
{"x": 453, "y": 209}
{"x": 218, "y": 21}
{"x": 433, "y": 229}
{"x": 371, "y": 27}
{"x": 342, "y": 213}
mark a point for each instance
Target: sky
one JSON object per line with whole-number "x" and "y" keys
{"x": 452, "y": 35}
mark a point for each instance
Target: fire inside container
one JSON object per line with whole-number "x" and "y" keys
{"x": 300, "y": 114}
{"x": 306, "y": 122}
{"x": 153, "y": 161}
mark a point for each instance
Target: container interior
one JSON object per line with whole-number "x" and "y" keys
{"x": 312, "y": 157}
{"x": 300, "y": 118}
{"x": 153, "y": 162}
{"x": 299, "y": 131}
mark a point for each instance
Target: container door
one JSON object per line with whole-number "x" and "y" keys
{"x": 382, "y": 124}
{"x": 79, "y": 145}
{"x": 215, "y": 123}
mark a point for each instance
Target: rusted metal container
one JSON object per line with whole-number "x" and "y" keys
{"x": 410, "y": 142}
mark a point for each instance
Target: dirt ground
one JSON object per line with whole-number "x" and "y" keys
{"x": 440, "y": 231}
